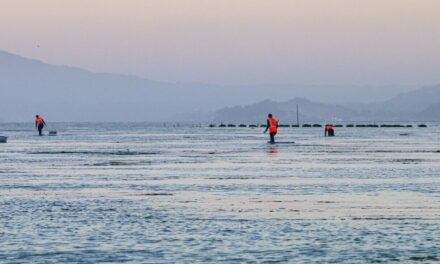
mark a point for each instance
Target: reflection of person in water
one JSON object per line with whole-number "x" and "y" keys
{"x": 273, "y": 151}
{"x": 329, "y": 131}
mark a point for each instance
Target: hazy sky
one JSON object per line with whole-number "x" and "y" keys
{"x": 233, "y": 41}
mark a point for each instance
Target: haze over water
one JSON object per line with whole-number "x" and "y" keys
{"x": 139, "y": 192}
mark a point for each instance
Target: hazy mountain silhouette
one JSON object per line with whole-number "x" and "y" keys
{"x": 284, "y": 111}
{"x": 419, "y": 105}
{"x": 64, "y": 93}
{"x": 415, "y": 105}
{"x": 431, "y": 113}
{"x": 410, "y": 102}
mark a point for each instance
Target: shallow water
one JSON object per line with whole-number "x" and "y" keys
{"x": 169, "y": 193}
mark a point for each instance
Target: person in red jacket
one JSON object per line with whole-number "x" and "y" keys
{"x": 39, "y": 124}
{"x": 329, "y": 131}
{"x": 272, "y": 126}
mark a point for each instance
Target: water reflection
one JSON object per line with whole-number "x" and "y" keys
{"x": 272, "y": 151}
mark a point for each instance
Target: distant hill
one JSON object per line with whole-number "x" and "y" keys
{"x": 70, "y": 94}
{"x": 419, "y": 105}
{"x": 415, "y": 105}
{"x": 284, "y": 111}
{"x": 63, "y": 93}
{"x": 410, "y": 102}
{"x": 432, "y": 113}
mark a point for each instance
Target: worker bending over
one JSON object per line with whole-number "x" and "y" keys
{"x": 39, "y": 124}
{"x": 329, "y": 131}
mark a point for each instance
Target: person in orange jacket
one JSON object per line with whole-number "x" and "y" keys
{"x": 272, "y": 126}
{"x": 39, "y": 124}
{"x": 329, "y": 131}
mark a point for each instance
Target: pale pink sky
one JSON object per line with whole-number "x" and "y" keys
{"x": 233, "y": 41}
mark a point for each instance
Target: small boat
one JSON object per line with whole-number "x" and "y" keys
{"x": 3, "y": 139}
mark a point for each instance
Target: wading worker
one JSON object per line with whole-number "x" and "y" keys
{"x": 39, "y": 124}
{"x": 272, "y": 126}
{"x": 328, "y": 131}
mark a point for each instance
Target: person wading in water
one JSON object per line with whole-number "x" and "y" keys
{"x": 39, "y": 124}
{"x": 272, "y": 126}
{"x": 329, "y": 131}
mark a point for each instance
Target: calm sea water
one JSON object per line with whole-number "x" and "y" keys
{"x": 146, "y": 193}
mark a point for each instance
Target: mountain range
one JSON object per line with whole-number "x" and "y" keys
{"x": 64, "y": 93}
{"x": 419, "y": 105}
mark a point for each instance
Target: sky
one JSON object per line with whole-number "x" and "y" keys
{"x": 350, "y": 42}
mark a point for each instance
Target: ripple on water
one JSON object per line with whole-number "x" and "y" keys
{"x": 178, "y": 194}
